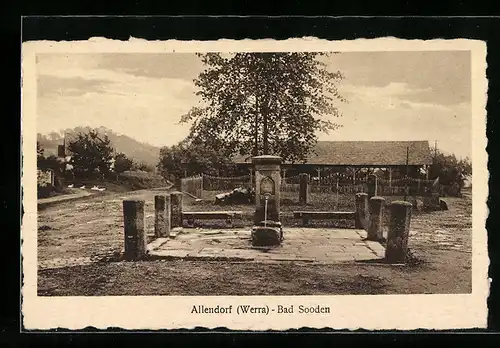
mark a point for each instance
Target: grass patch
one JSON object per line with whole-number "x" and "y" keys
{"x": 318, "y": 201}
{"x": 128, "y": 181}
{"x": 51, "y": 191}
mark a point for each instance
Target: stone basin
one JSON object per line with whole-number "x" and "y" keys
{"x": 268, "y": 233}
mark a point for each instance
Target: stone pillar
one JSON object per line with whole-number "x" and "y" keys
{"x": 399, "y": 229}
{"x": 372, "y": 185}
{"x": 376, "y": 218}
{"x": 267, "y": 230}
{"x": 361, "y": 210}
{"x": 267, "y": 183}
{"x": 176, "y": 209}
{"x": 135, "y": 234}
{"x": 303, "y": 188}
{"x": 162, "y": 216}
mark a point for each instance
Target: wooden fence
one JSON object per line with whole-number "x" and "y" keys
{"x": 290, "y": 184}
{"x": 220, "y": 183}
{"x": 327, "y": 184}
{"x": 410, "y": 186}
{"x": 341, "y": 184}
{"x": 193, "y": 185}
{"x": 344, "y": 184}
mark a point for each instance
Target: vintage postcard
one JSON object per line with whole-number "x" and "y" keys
{"x": 254, "y": 184}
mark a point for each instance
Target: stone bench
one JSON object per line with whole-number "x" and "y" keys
{"x": 307, "y": 216}
{"x": 227, "y": 216}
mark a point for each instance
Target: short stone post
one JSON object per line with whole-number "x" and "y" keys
{"x": 372, "y": 185}
{"x": 399, "y": 229}
{"x": 162, "y": 216}
{"x": 361, "y": 210}
{"x": 303, "y": 188}
{"x": 176, "y": 210}
{"x": 376, "y": 218}
{"x": 135, "y": 234}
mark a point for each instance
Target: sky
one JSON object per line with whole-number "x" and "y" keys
{"x": 390, "y": 95}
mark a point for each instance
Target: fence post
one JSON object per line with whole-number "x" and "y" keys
{"x": 176, "y": 209}
{"x": 372, "y": 185}
{"x": 133, "y": 226}
{"x": 197, "y": 186}
{"x": 303, "y": 188}
{"x": 194, "y": 184}
{"x": 361, "y": 210}
{"x": 162, "y": 216}
{"x": 201, "y": 186}
{"x": 376, "y": 218}
{"x": 337, "y": 194}
{"x": 399, "y": 229}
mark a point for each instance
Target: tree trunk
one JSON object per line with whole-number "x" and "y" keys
{"x": 256, "y": 135}
{"x": 266, "y": 141}
{"x": 265, "y": 135}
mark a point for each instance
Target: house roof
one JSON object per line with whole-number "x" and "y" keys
{"x": 370, "y": 153}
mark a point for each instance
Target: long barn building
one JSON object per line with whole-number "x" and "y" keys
{"x": 396, "y": 158}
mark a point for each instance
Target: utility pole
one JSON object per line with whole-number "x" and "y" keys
{"x": 407, "y": 178}
{"x": 432, "y": 167}
{"x": 61, "y": 149}
{"x": 435, "y": 150}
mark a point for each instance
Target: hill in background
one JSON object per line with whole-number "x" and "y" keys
{"x": 136, "y": 150}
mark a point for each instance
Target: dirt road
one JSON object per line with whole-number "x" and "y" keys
{"x": 91, "y": 226}
{"x": 72, "y": 233}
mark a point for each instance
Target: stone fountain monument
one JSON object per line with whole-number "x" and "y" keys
{"x": 267, "y": 230}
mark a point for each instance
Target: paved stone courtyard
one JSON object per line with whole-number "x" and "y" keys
{"x": 299, "y": 244}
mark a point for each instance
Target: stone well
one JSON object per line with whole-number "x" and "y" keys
{"x": 267, "y": 230}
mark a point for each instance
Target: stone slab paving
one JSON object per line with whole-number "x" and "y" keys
{"x": 319, "y": 245}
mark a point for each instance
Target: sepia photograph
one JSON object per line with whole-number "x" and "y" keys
{"x": 263, "y": 173}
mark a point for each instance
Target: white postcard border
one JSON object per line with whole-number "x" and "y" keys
{"x": 371, "y": 312}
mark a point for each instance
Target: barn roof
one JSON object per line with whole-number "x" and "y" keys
{"x": 370, "y": 153}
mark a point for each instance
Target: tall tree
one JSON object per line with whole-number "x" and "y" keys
{"x": 450, "y": 169}
{"x": 91, "y": 153}
{"x": 264, "y": 103}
